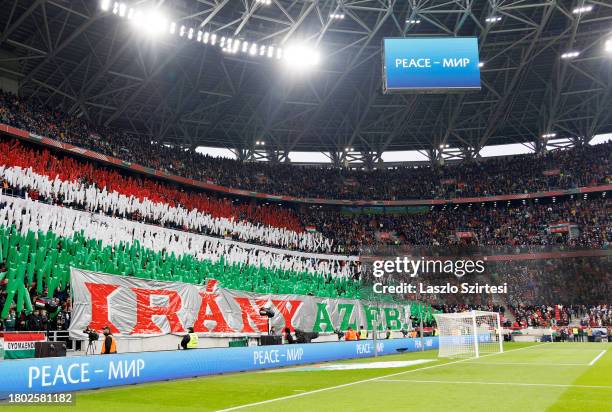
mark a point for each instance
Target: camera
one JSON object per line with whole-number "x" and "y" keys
{"x": 92, "y": 334}
{"x": 339, "y": 333}
{"x": 305, "y": 337}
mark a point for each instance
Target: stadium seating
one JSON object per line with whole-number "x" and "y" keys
{"x": 104, "y": 219}
{"x": 580, "y": 166}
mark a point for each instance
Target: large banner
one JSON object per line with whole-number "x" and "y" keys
{"x": 76, "y": 373}
{"x": 141, "y": 308}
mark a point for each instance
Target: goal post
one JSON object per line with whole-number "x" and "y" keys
{"x": 469, "y": 334}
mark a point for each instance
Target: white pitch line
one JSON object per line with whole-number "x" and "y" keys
{"x": 551, "y": 385}
{"x": 529, "y": 364}
{"x": 298, "y": 395}
{"x": 597, "y": 357}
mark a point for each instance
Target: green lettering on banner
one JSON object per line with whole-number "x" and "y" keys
{"x": 392, "y": 318}
{"x": 322, "y": 317}
{"x": 372, "y": 313}
{"x": 346, "y": 318}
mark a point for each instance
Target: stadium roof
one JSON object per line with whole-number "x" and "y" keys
{"x": 94, "y": 63}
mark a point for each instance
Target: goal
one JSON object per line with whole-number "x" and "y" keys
{"x": 469, "y": 334}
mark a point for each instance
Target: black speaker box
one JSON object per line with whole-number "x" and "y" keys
{"x": 266, "y": 340}
{"x": 49, "y": 349}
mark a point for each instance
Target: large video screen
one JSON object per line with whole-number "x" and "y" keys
{"x": 430, "y": 64}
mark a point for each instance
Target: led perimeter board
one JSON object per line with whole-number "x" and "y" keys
{"x": 430, "y": 65}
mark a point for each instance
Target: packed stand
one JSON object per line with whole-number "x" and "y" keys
{"x": 39, "y": 244}
{"x": 577, "y": 223}
{"x": 69, "y": 182}
{"x": 561, "y": 169}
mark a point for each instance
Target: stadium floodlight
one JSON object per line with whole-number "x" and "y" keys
{"x": 570, "y": 55}
{"x": 122, "y": 9}
{"x": 105, "y": 5}
{"x": 264, "y": 2}
{"x": 151, "y": 23}
{"x": 469, "y": 334}
{"x": 493, "y": 19}
{"x": 583, "y": 9}
{"x": 549, "y": 135}
{"x": 301, "y": 57}
{"x": 213, "y": 39}
{"x": 172, "y": 28}
{"x": 245, "y": 46}
{"x": 270, "y": 52}
{"x": 262, "y": 50}
{"x": 253, "y": 49}
{"x": 205, "y": 37}
{"x": 413, "y": 21}
{"x": 608, "y": 45}
{"x": 182, "y": 31}
{"x": 336, "y": 16}
{"x": 481, "y": 64}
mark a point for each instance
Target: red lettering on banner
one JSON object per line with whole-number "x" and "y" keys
{"x": 145, "y": 312}
{"x": 248, "y": 312}
{"x": 209, "y": 300}
{"x": 99, "y": 303}
{"x": 286, "y": 312}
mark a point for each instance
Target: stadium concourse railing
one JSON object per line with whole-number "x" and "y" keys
{"x": 211, "y": 186}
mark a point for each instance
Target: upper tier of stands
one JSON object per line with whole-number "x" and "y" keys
{"x": 580, "y": 166}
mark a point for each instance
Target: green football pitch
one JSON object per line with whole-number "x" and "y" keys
{"x": 526, "y": 377}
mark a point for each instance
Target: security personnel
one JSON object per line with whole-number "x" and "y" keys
{"x": 363, "y": 334}
{"x": 190, "y": 341}
{"x": 110, "y": 344}
{"x": 350, "y": 334}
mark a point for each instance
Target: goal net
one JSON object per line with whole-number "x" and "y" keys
{"x": 469, "y": 334}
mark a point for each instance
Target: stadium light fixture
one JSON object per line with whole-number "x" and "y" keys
{"x": 549, "y": 135}
{"x": 413, "y": 21}
{"x": 582, "y": 9}
{"x": 608, "y": 45}
{"x": 264, "y": 2}
{"x": 570, "y": 55}
{"x": 493, "y": 19}
{"x": 481, "y": 64}
{"x": 151, "y": 23}
{"x": 336, "y": 16}
{"x": 301, "y": 57}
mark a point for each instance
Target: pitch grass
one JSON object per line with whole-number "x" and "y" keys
{"x": 527, "y": 377}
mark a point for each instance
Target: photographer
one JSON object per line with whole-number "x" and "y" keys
{"x": 110, "y": 344}
{"x": 288, "y": 337}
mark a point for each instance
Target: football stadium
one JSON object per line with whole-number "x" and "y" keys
{"x": 297, "y": 205}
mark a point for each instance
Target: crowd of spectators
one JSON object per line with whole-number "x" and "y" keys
{"x": 587, "y": 223}
{"x": 73, "y": 183}
{"x": 580, "y": 166}
{"x": 565, "y": 286}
